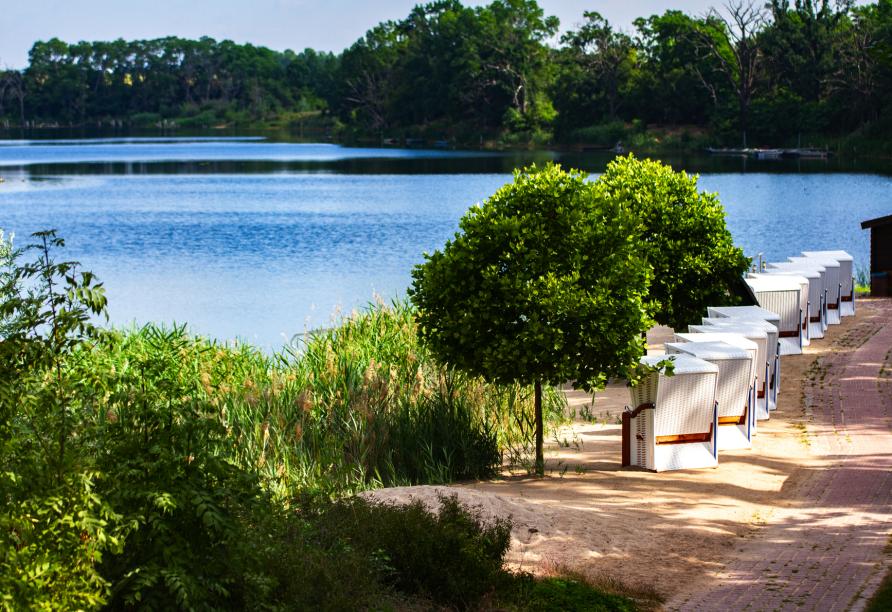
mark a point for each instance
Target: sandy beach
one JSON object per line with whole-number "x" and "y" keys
{"x": 674, "y": 533}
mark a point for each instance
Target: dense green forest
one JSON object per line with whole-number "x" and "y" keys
{"x": 808, "y": 71}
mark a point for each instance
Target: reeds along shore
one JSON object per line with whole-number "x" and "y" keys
{"x": 354, "y": 407}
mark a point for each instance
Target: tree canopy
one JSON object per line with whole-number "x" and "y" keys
{"x": 543, "y": 283}
{"x": 765, "y": 74}
{"x": 683, "y": 238}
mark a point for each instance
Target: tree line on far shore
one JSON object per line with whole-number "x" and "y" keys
{"x": 808, "y": 71}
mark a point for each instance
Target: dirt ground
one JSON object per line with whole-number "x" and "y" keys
{"x": 646, "y": 531}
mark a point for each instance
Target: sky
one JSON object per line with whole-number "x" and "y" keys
{"x": 328, "y": 25}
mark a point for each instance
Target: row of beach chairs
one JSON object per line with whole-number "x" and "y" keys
{"x": 727, "y": 367}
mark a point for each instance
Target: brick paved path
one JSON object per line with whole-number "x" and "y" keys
{"x": 830, "y": 549}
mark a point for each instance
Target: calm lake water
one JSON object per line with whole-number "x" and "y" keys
{"x": 259, "y": 240}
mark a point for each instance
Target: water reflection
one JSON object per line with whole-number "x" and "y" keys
{"x": 264, "y": 248}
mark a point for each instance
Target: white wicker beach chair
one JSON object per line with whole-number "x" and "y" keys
{"x": 816, "y": 293}
{"x": 744, "y": 312}
{"x": 733, "y": 391}
{"x": 757, "y": 373}
{"x": 761, "y": 367}
{"x": 673, "y": 421}
{"x": 772, "y": 349}
{"x": 788, "y": 297}
{"x": 831, "y": 283}
{"x": 763, "y": 316}
{"x": 846, "y": 278}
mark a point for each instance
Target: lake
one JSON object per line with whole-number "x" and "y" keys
{"x": 260, "y": 240}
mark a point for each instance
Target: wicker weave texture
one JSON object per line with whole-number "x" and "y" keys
{"x": 750, "y": 346}
{"x": 685, "y": 404}
{"x": 846, "y": 266}
{"x": 759, "y": 338}
{"x": 684, "y": 456}
{"x": 733, "y": 385}
{"x": 790, "y": 346}
{"x": 770, "y": 354}
{"x": 831, "y": 274}
{"x": 645, "y": 392}
{"x": 786, "y": 304}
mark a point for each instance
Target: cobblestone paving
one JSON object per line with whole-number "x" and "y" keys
{"x": 830, "y": 548}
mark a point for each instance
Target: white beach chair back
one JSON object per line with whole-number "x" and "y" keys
{"x": 744, "y": 312}
{"x": 787, "y": 296}
{"x": 831, "y": 277}
{"x": 734, "y": 378}
{"x": 767, "y": 360}
{"x": 815, "y": 280}
{"x": 846, "y": 266}
{"x": 742, "y": 326}
{"x": 846, "y": 277}
{"x": 818, "y": 291}
{"x": 736, "y": 340}
{"x": 684, "y": 403}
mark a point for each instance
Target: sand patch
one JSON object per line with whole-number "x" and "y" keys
{"x": 662, "y": 531}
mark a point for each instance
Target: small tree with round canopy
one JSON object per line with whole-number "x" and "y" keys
{"x": 684, "y": 238}
{"x": 543, "y": 284}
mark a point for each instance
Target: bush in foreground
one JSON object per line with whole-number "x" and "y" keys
{"x": 138, "y": 470}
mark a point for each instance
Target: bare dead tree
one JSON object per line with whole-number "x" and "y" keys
{"x": 856, "y": 74}
{"x": 12, "y": 86}
{"x": 2, "y": 93}
{"x": 736, "y": 51}
{"x": 368, "y": 93}
{"x": 604, "y": 52}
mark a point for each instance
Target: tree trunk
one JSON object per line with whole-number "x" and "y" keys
{"x": 540, "y": 457}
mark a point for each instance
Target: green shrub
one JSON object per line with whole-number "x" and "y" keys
{"x": 523, "y": 592}
{"x": 54, "y": 524}
{"x": 605, "y": 134}
{"x": 52, "y": 541}
{"x": 450, "y": 556}
{"x": 145, "y": 119}
{"x": 204, "y": 119}
{"x": 155, "y": 469}
{"x": 682, "y": 235}
{"x": 184, "y": 500}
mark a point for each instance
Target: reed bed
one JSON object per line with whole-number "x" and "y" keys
{"x": 359, "y": 406}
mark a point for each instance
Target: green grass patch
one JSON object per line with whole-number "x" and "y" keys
{"x": 523, "y": 592}
{"x": 882, "y": 599}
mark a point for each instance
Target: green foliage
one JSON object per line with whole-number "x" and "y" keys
{"x": 808, "y": 71}
{"x": 597, "y": 67}
{"x": 543, "y": 282}
{"x": 450, "y": 556}
{"x": 357, "y": 406}
{"x": 605, "y": 135}
{"x": 882, "y": 599}
{"x": 7, "y": 279}
{"x": 54, "y": 528}
{"x": 684, "y": 238}
{"x": 51, "y": 541}
{"x": 184, "y": 497}
{"x": 523, "y": 592}
{"x": 155, "y": 469}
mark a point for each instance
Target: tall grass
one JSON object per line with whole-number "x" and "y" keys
{"x": 359, "y": 406}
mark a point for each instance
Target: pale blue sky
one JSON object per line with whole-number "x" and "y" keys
{"x": 327, "y": 25}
